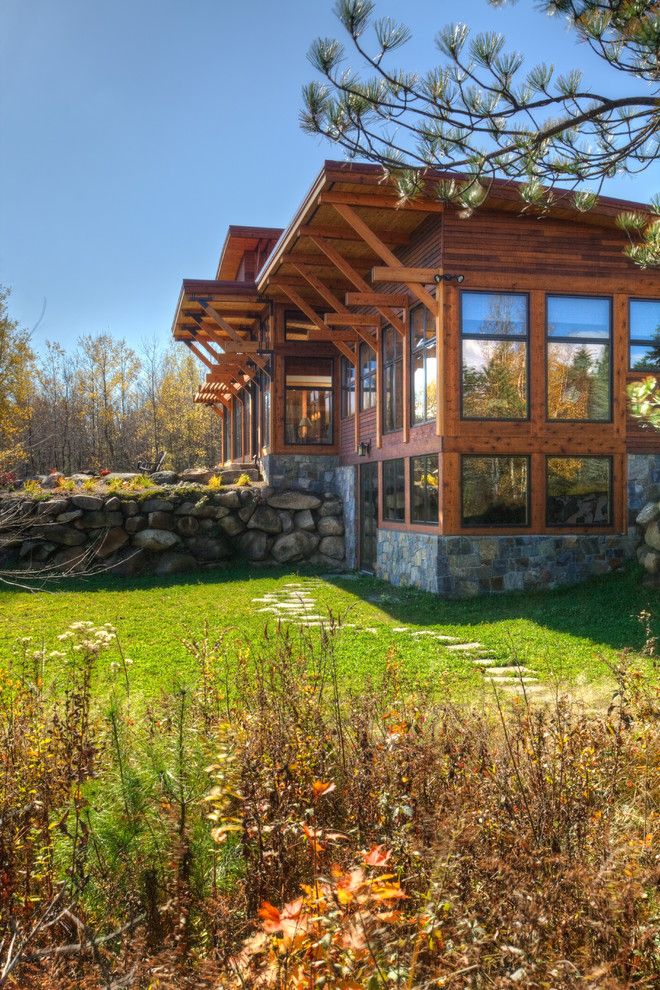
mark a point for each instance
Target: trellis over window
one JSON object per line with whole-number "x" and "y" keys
{"x": 644, "y": 317}
{"x": 392, "y": 356}
{"x": 495, "y": 357}
{"x": 309, "y": 401}
{"x": 424, "y": 392}
{"x": 579, "y": 355}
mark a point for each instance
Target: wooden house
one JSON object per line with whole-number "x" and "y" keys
{"x": 461, "y": 383}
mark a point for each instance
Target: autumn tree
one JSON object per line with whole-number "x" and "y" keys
{"x": 16, "y": 371}
{"x": 481, "y": 112}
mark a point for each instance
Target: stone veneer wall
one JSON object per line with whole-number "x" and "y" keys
{"x": 309, "y": 472}
{"x": 346, "y": 486}
{"x": 466, "y": 566}
{"x": 171, "y": 530}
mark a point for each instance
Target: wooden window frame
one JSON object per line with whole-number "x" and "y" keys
{"x": 579, "y": 340}
{"x": 494, "y": 527}
{"x": 591, "y": 527}
{"x": 637, "y": 341}
{"x": 392, "y": 368}
{"x": 373, "y": 375}
{"x": 329, "y": 390}
{"x": 411, "y": 483}
{"x": 345, "y": 391}
{"x": 495, "y": 337}
{"x": 392, "y": 461}
{"x": 430, "y": 343}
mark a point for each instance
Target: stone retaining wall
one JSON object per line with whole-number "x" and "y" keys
{"x": 171, "y": 530}
{"x": 648, "y": 553}
{"x": 466, "y": 566}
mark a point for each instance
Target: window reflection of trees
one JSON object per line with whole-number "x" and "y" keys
{"x": 495, "y": 359}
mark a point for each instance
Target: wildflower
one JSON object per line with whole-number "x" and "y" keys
{"x": 56, "y": 655}
{"x": 26, "y": 639}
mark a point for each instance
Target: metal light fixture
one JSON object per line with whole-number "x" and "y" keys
{"x": 364, "y": 448}
{"x": 447, "y": 277}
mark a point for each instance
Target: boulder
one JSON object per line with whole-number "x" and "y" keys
{"x": 648, "y": 514}
{"x": 266, "y": 519}
{"x": 161, "y": 520}
{"x": 130, "y": 508}
{"x": 184, "y": 509}
{"x": 164, "y": 477}
{"x": 330, "y": 526}
{"x": 71, "y": 560}
{"x": 134, "y": 524}
{"x": 62, "y": 535}
{"x": 175, "y": 563}
{"x": 254, "y": 544}
{"x": 113, "y": 504}
{"x": 294, "y": 546}
{"x": 331, "y": 507}
{"x": 82, "y": 476}
{"x": 52, "y": 507}
{"x": 187, "y": 526}
{"x": 204, "y": 509}
{"x": 99, "y": 519}
{"x": 333, "y": 546}
{"x": 296, "y": 501}
{"x": 208, "y": 548}
{"x": 111, "y": 541}
{"x": 69, "y": 517}
{"x": 52, "y": 480}
{"x": 87, "y": 502}
{"x": 652, "y": 535}
{"x": 157, "y": 505}
{"x": 231, "y": 525}
{"x": 649, "y": 559}
{"x": 199, "y": 476}
{"x": 36, "y": 550}
{"x": 221, "y": 511}
{"x": 249, "y": 505}
{"x": 156, "y": 540}
{"x": 286, "y": 518}
{"x": 128, "y": 562}
{"x": 230, "y": 500}
{"x": 304, "y": 520}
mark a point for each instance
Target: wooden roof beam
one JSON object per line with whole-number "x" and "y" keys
{"x": 339, "y": 308}
{"x": 360, "y": 283}
{"x": 378, "y": 201}
{"x": 396, "y": 237}
{"x": 394, "y": 299}
{"x": 324, "y": 332}
{"x": 377, "y": 246}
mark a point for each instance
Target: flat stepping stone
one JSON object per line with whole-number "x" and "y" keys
{"x": 400, "y": 628}
{"x": 446, "y": 639}
{"x": 466, "y": 646}
{"x": 423, "y": 632}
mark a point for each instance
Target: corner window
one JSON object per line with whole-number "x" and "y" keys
{"x": 645, "y": 334}
{"x": 308, "y": 411}
{"x": 494, "y": 491}
{"x": 423, "y": 366}
{"x": 579, "y": 344}
{"x": 392, "y": 380}
{"x": 424, "y": 500}
{"x": 347, "y": 388}
{"x": 394, "y": 491}
{"x": 494, "y": 342}
{"x": 579, "y": 491}
{"x": 367, "y": 377}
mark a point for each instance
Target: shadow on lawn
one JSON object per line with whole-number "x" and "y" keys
{"x": 604, "y": 609}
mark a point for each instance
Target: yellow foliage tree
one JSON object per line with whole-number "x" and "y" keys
{"x": 16, "y": 369}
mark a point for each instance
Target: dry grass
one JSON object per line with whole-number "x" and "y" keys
{"x": 270, "y": 830}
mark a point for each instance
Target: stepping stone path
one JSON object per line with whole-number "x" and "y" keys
{"x": 295, "y": 603}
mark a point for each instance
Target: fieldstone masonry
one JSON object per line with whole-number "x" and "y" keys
{"x": 309, "y": 472}
{"x": 171, "y": 530}
{"x": 643, "y": 482}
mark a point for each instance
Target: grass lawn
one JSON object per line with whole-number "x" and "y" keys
{"x": 570, "y": 634}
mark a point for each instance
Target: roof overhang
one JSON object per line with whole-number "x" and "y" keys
{"x": 240, "y": 240}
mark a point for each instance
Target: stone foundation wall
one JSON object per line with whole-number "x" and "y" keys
{"x": 347, "y": 489}
{"x": 466, "y": 566}
{"x": 309, "y": 472}
{"x": 169, "y": 531}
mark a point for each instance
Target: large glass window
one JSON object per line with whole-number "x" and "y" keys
{"x": 392, "y": 380}
{"x": 237, "y": 430}
{"x": 424, "y": 501}
{"x": 579, "y": 491}
{"x": 579, "y": 358}
{"x": 645, "y": 334}
{"x": 494, "y": 332}
{"x": 308, "y": 401}
{"x": 347, "y": 388}
{"x": 495, "y": 490}
{"x": 424, "y": 365}
{"x": 367, "y": 377}
{"x": 394, "y": 490}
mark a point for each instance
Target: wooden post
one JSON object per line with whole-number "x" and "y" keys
{"x": 379, "y": 388}
{"x": 439, "y": 360}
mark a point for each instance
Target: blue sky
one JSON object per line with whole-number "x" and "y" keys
{"x": 135, "y": 131}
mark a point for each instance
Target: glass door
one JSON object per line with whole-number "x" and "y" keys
{"x": 368, "y": 516}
